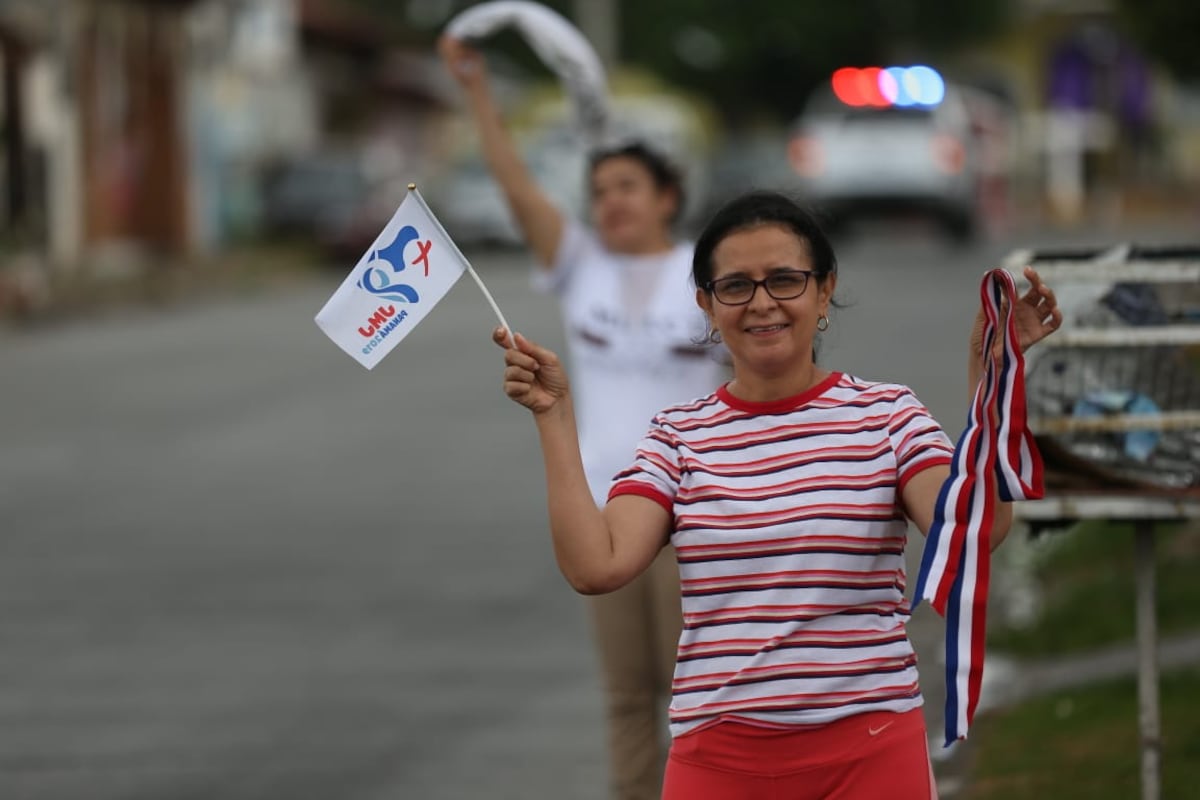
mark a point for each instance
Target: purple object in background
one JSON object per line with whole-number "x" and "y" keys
{"x": 1070, "y": 83}
{"x": 1133, "y": 89}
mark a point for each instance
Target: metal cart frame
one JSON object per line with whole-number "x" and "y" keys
{"x": 1086, "y": 273}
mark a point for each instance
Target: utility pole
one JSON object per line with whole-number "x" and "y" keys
{"x": 12, "y": 60}
{"x": 598, "y": 21}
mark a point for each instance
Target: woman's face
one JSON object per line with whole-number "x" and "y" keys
{"x": 630, "y": 212}
{"x": 766, "y": 336}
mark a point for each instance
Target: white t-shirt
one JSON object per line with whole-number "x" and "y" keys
{"x": 633, "y": 329}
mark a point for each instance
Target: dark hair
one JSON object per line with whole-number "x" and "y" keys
{"x": 667, "y": 178}
{"x": 757, "y": 208}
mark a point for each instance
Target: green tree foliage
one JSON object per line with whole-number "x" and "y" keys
{"x": 1166, "y": 30}
{"x": 772, "y": 52}
{"x": 756, "y": 56}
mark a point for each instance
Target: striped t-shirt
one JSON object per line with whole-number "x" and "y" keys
{"x": 790, "y": 539}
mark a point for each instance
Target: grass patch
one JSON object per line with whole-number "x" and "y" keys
{"x": 1084, "y": 744}
{"x": 1085, "y": 577}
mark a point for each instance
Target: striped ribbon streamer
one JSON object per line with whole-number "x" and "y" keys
{"x": 995, "y": 456}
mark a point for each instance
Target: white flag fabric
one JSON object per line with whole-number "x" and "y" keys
{"x": 559, "y": 44}
{"x": 406, "y": 271}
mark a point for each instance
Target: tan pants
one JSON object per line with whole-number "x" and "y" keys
{"x": 637, "y": 631}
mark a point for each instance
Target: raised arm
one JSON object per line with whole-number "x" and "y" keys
{"x": 597, "y": 551}
{"x": 1037, "y": 316}
{"x": 540, "y": 221}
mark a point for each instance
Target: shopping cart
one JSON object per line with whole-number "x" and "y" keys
{"x": 1114, "y": 403}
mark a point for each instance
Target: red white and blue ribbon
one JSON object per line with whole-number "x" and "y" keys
{"x": 995, "y": 457}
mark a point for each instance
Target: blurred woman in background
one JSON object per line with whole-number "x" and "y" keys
{"x": 632, "y": 338}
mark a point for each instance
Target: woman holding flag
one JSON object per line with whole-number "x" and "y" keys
{"x": 786, "y": 494}
{"x": 632, "y": 333}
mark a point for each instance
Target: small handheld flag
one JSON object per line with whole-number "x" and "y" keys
{"x": 992, "y": 457}
{"x": 411, "y": 265}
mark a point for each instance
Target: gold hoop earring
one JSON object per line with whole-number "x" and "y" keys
{"x": 822, "y": 323}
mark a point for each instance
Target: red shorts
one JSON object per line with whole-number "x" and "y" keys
{"x": 868, "y": 756}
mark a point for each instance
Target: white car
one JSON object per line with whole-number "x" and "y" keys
{"x": 869, "y": 157}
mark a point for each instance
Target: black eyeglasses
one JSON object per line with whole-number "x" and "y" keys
{"x": 738, "y": 291}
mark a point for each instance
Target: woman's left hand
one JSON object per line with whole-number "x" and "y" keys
{"x": 1036, "y": 316}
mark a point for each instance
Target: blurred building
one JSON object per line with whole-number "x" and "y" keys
{"x": 140, "y": 129}
{"x": 95, "y": 132}
{"x": 1100, "y": 126}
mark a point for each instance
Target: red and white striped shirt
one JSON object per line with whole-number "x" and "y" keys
{"x": 790, "y": 539}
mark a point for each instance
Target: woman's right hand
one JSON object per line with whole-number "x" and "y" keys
{"x": 465, "y": 63}
{"x": 533, "y": 375}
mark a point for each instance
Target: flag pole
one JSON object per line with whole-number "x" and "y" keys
{"x": 412, "y": 187}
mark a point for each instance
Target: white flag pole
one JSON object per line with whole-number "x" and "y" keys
{"x": 412, "y": 187}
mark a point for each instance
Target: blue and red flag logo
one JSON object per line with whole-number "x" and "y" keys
{"x": 376, "y": 278}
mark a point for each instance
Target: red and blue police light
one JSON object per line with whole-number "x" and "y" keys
{"x": 899, "y": 87}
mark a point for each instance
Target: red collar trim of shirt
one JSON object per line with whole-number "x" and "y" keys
{"x": 779, "y": 406}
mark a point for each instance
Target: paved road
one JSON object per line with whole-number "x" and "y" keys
{"x": 234, "y": 564}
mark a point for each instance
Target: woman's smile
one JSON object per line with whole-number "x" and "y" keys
{"x": 766, "y": 331}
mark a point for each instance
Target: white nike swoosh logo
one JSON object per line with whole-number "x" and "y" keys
{"x": 880, "y": 729}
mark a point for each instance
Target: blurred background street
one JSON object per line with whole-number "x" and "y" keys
{"x": 234, "y": 564}
{"x": 237, "y": 565}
